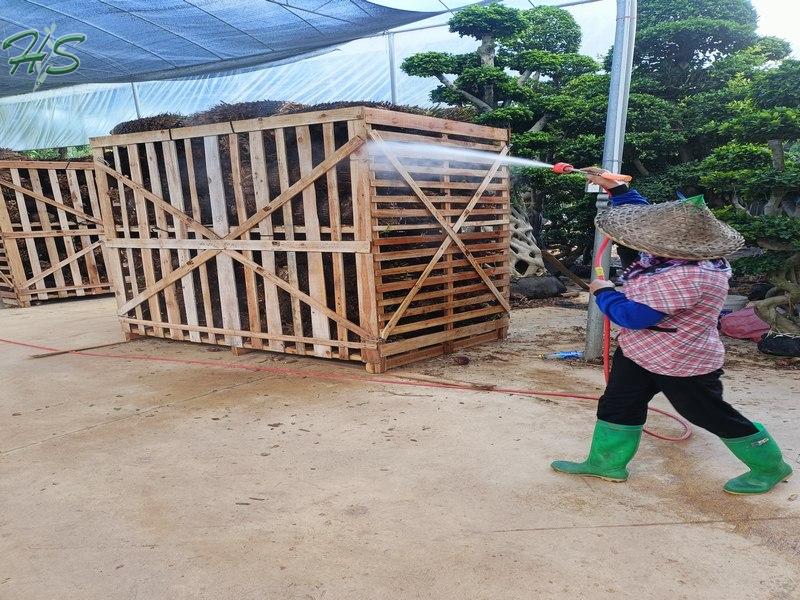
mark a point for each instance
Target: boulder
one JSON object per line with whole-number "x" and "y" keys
{"x": 538, "y": 287}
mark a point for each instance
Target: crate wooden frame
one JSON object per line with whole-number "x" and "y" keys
{"x": 69, "y": 236}
{"x": 459, "y": 246}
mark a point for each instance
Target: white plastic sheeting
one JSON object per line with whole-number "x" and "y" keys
{"x": 359, "y": 70}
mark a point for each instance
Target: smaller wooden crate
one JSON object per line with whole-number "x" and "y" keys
{"x": 50, "y": 232}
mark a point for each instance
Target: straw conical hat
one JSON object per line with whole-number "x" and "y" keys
{"x": 685, "y": 229}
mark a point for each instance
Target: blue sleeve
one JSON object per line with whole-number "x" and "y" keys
{"x": 629, "y": 197}
{"x": 627, "y": 313}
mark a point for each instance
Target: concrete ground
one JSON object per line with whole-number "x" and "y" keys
{"x": 129, "y": 479}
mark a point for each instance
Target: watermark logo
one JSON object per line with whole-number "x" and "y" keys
{"x": 45, "y": 54}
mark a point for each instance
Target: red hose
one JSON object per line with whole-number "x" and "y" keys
{"x": 600, "y": 274}
{"x": 321, "y": 375}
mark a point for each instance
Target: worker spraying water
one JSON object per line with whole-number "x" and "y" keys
{"x": 672, "y": 296}
{"x": 675, "y": 284}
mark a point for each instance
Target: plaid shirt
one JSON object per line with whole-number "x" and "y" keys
{"x": 692, "y": 297}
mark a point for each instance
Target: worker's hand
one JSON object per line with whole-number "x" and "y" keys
{"x": 599, "y": 284}
{"x": 604, "y": 182}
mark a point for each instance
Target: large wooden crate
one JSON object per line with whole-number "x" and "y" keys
{"x": 50, "y": 232}
{"x": 309, "y": 234}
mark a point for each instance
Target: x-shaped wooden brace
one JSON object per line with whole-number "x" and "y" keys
{"x": 452, "y": 233}
{"x": 264, "y": 212}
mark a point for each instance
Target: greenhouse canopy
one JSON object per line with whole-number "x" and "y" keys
{"x": 50, "y": 44}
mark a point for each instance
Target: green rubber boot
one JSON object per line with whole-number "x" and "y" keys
{"x": 767, "y": 467}
{"x": 613, "y": 447}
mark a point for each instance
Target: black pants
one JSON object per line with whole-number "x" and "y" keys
{"x": 698, "y": 399}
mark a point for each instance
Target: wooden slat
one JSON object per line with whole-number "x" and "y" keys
{"x": 284, "y": 339}
{"x": 205, "y": 288}
{"x": 258, "y": 165}
{"x": 289, "y": 232}
{"x": 119, "y": 285}
{"x": 143, "y": 221}
{"x": 362, "y": 221}
{"x": 69, "y": 245}
{"x": 175, "y": 188}
{"x": 394, "y": 348}
{"x": 225, "y": 274}
{"x": 266, "y": 245}
{"x": 77, "y": 201}
{"x": 16, "y": 269}
{"x": 47, "y": 164}
{"x": 380, "y": 116}
{"x": 251, "y": 288}
{"x": 129, "y": 139}
{"x": 316, "y": 275}
{"x": 44, "y": 223}
{"x": 55, "y": 233}
{"x": 335, "y": 218}
{"x": 164, "y": 255}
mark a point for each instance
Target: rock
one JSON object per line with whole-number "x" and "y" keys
{"x": 538, "y": 287}
{"x": 780, "y": 344}
{"x": 758, "y": 291}
{"x": 584, "y": 271}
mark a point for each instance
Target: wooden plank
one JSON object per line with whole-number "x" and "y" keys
{"x": 101, "y": 288}
{"x": 316, "y": 275}
{"x": 77, "y": 201}
{"x": 435, "y": 322}
{"x": 261, "y": 335}
{"x": 289, "y": 233}
{"x": 267, "y": 246}
{"x": 251, "y": 288}
{"x": 393, "y": 227}
{"x": 335, "y": 219}
{"x": 226, "y": 276}
{"x": 111, "y": 233}
{"x": 447, "y": 306}
{"x": 128, "y": 139}
{"x": 294, "y": 120}
{"x": 467, "y": 275}
{"x": 172, "y": 170}
{"x": 143, "y": 221}
{"x": 380, "y": 116}
{"x": 397, "y": 136}
{"x": 16, "y": 270}
{"x": 55, "y": 233}
{"x": 44, "y": 223}
{"x": 394, "y": 348}
{"x": 164, "y": 255}
{"x": 437, "y": 185}
{"x": 363, "y": 222}
{"x": 205, "y": 289}
{"x": 46, "y": 164}
{"x": 69, "y": 245}
{"x": 201, "y": 131}
{"x": 443, "y": 264}
{"x": 258, "y": 166}
{"x": 459, "y": 290}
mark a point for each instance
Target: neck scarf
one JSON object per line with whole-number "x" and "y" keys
{"x": 650, "y": 265}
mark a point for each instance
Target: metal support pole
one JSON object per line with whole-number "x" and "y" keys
{"x": 136, "y": 101}
{"x": 619, "y": 90}
{"x": 392, "y": 67}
